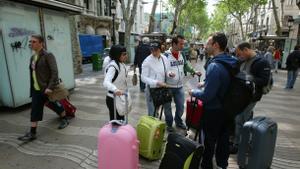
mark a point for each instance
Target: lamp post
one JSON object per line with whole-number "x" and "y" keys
{"x": 290, "y": 24}
{"x": 113, "y": 13}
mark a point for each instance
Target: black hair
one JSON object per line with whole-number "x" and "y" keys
{"x": 297, "y": 47}
{"x": 221, "y": 39}
{"x": 116, "y": 52}
{"x": 244, "y": 45}
{"x": 40, "y": 38}
{"x": 176, "y": 38}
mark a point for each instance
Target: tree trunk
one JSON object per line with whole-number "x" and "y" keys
{"x": 176, "y": 16}
{"x": 174, "y": 22}
{"x": 278, "y": 27}
{"x": 127, "y": 40}
{"x": 282, "y": 11}
{"x": 152, "y": 19}
{"x": 255, "y": 18}
{"x": 128, "y": 16}
{"x": 242, "y": 29}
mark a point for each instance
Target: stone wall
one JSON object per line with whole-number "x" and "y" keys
{"x": 77, "y": 57}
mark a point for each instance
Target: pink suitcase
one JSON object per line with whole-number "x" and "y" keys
{"x": 118, "y": 146}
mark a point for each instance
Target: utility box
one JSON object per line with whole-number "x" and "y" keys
{"x": 17, "y": 23}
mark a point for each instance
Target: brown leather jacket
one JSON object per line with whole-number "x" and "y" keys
{"x": 46, "y": 71}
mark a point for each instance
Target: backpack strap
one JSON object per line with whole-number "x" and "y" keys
{"x": 116, "y": 73}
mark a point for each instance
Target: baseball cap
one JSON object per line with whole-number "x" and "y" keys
{"x": 155, "y": 45}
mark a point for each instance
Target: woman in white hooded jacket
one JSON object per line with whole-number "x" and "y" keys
{"x": 115, "y": 78}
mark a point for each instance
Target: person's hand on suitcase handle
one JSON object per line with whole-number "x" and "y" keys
{"x": 200, "y": 84}
{"x": 118, "y": 92}
{"x": 190, "y": 91}
{"x": 198, "y": 73}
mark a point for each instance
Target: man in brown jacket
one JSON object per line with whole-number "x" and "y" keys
{"x": 43, "y": 79}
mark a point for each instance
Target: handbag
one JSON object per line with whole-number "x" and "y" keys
{"x": 134, "y": 79}
{"x": 59, "y": 92}
{"x": 161, "y": 95}
{"x": 121, "y": 105}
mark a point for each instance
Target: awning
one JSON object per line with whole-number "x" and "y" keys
{"x": 56, "y": 5}
{"x": 270, "y": 37}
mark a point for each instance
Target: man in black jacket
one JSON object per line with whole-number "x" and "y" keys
{"x": 292, "y": 65}
{"x": 259, "y": 71}
{"x": 142, "y": 51}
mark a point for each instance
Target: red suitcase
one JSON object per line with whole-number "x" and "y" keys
{"x": 69, "y": 108}
{"x": 194, "y": 112}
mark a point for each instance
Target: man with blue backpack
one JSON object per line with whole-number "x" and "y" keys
{"x": 217, "y": 83}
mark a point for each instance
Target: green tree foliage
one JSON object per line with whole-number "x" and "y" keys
{"x": 194, "y": 16}
{"x": 238, "y": 9}
{"x": 219, "y": 19}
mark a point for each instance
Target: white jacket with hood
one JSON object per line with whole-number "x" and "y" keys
{"x": 177, "y": 67}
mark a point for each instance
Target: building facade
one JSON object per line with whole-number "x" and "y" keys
{"x": 18, "y": 21}
{"x": 265, "y": 33}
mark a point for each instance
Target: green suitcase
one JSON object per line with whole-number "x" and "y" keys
{"x": 150, "y": 132}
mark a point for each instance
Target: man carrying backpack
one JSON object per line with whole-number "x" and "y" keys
{"x": 216, "y": 133}
{"x": 259, "y": 71}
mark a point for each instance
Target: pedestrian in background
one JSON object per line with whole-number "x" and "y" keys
{"x": 142, "y": 51}
{"x": 269, "y": 56}
{"x": 216, "y": 133}
{"x": 43, "y": 79}
{"x": 277, "y": 58}
{"x": 115, "y": 80}
{"x": 292, "y": 66}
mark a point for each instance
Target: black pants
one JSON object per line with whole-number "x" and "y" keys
{"x": 37, "y": 106}
{"x": 142, "y": 84}
{"x": 110, "y": 105}
{"x": 216, "y": 140}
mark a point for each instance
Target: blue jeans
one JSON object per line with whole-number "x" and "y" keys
{"x": 240, "y": 119}
{"x": 178, "y": 96}
{"x": 291, "y": 78}
{"x": 150, "y": 105}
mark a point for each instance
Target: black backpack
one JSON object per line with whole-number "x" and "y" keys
{"x": 239, "y": 93}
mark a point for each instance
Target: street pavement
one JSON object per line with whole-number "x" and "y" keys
{"x": 75, "y": 147}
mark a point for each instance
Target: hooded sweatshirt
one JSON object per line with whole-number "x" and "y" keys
{"x": 178, "y": 65}
{"x": 216, "y": 83}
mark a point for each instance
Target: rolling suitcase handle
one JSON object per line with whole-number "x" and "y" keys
{"x": 120, "y": 122}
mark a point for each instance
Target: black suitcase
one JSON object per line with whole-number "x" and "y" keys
{"x": 181, "y": 153}
{"x": 257, "y": 145}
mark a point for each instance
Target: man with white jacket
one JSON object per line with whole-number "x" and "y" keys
{"x": 178, "y": 65}
{"x": 155, "y": 68}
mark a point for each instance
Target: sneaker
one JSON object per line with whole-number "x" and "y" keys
{"x": 233, "y": 149}
{"x": 170, "y": 129}
{"x": 27, "y": 137}
{"x": 182, "y": 126}
{"x": 63, "y": 124}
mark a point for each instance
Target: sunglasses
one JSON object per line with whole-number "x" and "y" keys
{"x": 33, "y": 41}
